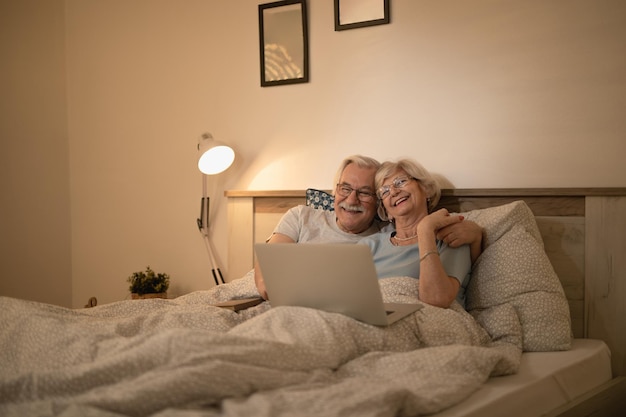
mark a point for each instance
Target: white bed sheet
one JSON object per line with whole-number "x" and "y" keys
{"x": 545, "y": 381}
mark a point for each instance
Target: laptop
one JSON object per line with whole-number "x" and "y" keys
{"x": 339, "y": 278}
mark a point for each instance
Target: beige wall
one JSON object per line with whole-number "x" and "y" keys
{"x": 35, "y": 258}
{"x": 489, "y": 94}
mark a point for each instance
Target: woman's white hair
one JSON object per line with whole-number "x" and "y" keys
{"x": 413, "y": 169}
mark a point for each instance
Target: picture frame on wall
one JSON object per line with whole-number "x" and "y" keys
{"x": 283, "y": 43}
{"x": 352, "y": 14}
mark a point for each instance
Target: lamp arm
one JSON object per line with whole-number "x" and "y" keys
{"x": 215, "y": 271}
{"x": 203, "y": 220}
{"x": 203, "y": 226}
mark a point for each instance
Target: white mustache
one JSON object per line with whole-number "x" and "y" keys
{"x": 350, "y": 207}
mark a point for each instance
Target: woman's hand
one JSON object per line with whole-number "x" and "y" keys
{"x": 435, "y": 286}
{"x": 463, "y": 233}
{"x": 437, "y": 221}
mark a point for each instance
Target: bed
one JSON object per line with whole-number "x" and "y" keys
{"x": 550, "y": 345}
{"x": 582, "y": 230}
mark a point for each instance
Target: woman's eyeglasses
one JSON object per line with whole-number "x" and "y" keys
{"x": 345, "y": 190}
{"x": 398, "y": 182}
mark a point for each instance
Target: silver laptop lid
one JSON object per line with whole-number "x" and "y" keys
{"x": 338, "y": 278}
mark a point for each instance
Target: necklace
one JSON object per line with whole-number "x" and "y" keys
{"x": 404, "y": 239}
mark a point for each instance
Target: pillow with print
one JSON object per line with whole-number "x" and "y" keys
{"x": 514, "y": 269}
{"x": 319, "y": 199}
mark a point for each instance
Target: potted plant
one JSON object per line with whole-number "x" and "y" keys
{"x": 148, "y": 284}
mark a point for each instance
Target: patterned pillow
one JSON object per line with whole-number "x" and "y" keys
{"x": 515, "y": 269}
{"x": 319, "y": 199}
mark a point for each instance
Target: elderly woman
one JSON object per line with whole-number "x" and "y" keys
{"x": 408, "y": 193}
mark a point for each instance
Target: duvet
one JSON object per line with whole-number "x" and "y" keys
{"x": 186, "y": 357}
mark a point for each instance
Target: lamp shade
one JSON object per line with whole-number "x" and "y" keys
{"x": 213, "y": 156}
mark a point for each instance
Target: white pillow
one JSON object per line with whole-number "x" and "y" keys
{"x": 515, "y": 269}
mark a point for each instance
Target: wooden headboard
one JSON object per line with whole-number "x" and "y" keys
{"x": 584, "y": 233}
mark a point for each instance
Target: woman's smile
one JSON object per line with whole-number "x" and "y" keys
{"x": 400, "y": 201}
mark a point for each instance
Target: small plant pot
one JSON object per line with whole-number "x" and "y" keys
{"x": 136, "y": 296}
{"x": 148, "y": 284}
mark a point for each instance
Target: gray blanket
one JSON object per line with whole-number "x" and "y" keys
{"x": 185, "y": 357}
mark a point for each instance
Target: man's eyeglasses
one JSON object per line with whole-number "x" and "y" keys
{"x": 398, "y": 182}
{"x": 345, "y": 190}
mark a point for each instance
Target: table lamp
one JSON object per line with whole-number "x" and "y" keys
{"x": 214, "y": 157}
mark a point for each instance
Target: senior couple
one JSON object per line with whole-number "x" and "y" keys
{"x": 412, "y": 240}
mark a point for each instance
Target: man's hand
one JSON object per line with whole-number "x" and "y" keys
{"x": 258, "y": 275}
{"x": 260, "y": 284}
{"x": 437, "y": 221}
{"x": 465, "y": 232}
